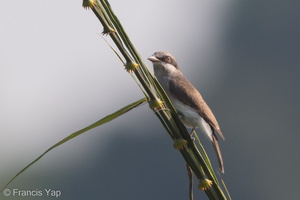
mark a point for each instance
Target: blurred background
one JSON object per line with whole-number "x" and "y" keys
{"x": 57, "y": 75}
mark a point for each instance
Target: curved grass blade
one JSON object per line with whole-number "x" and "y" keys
{"x": 226, "y": 190}
{"x": 104, "y": 120}
{"x": 205, "y": 156}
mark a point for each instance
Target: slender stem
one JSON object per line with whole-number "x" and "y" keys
{"x": 190, "y": 175}
{"x": 166, "y": 113}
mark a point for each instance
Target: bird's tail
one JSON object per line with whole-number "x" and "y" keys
{"x": 218, "y": 152}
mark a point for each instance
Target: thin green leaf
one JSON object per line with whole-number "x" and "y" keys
{"x": 206, "y": 158}
{"x": 113, "y": 50}
{"x": 104, "y": 120}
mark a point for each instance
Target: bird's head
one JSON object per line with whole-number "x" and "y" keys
{"x": 164, "y": 63}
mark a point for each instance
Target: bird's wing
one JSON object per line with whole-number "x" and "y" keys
{"x": 179, "y": 86}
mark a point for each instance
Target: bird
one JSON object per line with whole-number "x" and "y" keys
{"x": 191, "y": 108}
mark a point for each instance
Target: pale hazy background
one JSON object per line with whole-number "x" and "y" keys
{"x": 57, "y": 75}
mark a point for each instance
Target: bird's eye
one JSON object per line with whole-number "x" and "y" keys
{"x": 167, "y": 59}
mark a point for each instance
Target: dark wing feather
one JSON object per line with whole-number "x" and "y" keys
{"x": 179, "y": 87}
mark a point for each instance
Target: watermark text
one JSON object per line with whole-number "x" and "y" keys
{"x": 32, "y": 192}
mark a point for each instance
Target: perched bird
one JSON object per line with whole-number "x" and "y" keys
{"x": 191, "y": 108}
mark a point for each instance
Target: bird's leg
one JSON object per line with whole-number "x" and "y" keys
{"x": 191, "y": 134}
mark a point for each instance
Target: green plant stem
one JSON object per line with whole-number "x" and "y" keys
{"x": 166, "y": 114}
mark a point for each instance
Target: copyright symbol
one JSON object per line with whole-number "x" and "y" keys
{"x": 6, "y": 192}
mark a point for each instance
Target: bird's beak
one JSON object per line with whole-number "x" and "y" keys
{"x": 153, "y": 59}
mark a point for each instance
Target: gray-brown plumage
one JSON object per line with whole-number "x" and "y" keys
{"x": 192, "y": 109}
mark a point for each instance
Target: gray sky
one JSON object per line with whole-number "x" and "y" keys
{"x": 57, "y": 71}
